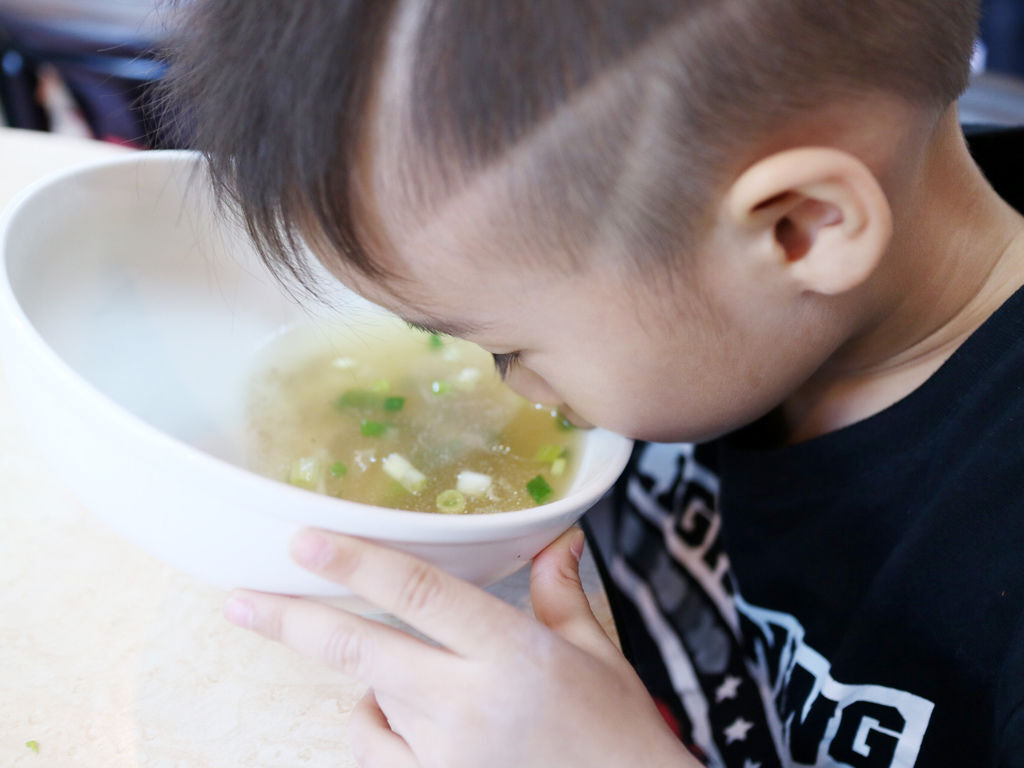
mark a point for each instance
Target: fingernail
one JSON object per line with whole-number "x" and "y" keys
{"x": 578, "y": 542}
{"x": 238, "y": 611}
{"x": 311, "y": 549}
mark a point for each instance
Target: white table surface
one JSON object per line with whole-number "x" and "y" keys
{"x": 109, "y": 658}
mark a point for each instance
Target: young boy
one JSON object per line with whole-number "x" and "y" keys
{"x": 750, "y": 225}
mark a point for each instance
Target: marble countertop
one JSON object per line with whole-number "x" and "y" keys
{"x": 108, "y": 657}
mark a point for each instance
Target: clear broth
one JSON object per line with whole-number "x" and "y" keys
{"x": 327, "y": 412}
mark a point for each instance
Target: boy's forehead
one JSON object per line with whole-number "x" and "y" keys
{"x": 472, "y": 234}
{"x": 437, "y": 290}
{"x": 476, "y": 260}
{"x": 464, "y": 273}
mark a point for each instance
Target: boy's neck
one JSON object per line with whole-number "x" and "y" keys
{"x": 957, "y": 256}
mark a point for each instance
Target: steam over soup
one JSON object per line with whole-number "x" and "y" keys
{"x": 398, "y": 418}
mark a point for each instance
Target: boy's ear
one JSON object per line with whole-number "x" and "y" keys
{"x": 817, "y": 213}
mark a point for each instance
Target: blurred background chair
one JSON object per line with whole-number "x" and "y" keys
{"x": 83, "y": 65}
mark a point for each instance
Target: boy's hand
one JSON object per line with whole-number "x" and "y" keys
{"x": 499, "y": 689}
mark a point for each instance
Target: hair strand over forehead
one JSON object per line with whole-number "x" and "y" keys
{"x": 274, "y": 93}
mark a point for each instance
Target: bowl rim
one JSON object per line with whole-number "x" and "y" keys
{"x": 287, "y": 502}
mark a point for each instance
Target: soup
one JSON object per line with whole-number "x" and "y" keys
{"x": 403, "y": 419}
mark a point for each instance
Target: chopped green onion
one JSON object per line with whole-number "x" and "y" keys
{"x": 397, "y": 467}
{"x": 357, "y": 398}
{"x": 394, "y": 403}
{"x": 371, "y": 428}
{"x": 33, "y": 745}
{"x": 539, "y": 489}
{"x": 451, "y": 501}
{"x": 472, "y": 483}
{"x": 435, "y": 341}
{"x": 558, "y": 466}
{"x": 550, "y": 453}
{"x": 441, "y": 387}
{"x": 306, "y": 472}
{"x": 338, "y": 469}
{"x": 381, "y": 385}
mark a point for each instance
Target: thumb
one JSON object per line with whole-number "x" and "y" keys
{"x": 558, "y": 598}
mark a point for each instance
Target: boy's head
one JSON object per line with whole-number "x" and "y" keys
{"x": 663, "y": 207}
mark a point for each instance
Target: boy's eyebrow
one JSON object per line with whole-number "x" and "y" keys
{"x": 445, "y": 327}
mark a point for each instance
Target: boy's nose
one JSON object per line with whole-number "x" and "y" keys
{"x": 531, "y": 386}
{"x": 535, "y": 389}
{"x": 574, "y": 418}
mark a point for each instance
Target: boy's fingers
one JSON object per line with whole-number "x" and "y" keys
{"x": 456, "y": 614}
{"x": 558, "y": 598}
{"x": 356, "y": 647}
{"x": 374, "y": 744}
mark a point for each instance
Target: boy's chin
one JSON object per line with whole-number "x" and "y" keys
{"x": 667, "y": 432}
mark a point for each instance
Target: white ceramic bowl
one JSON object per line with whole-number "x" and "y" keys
{"x": 130, "y": 316}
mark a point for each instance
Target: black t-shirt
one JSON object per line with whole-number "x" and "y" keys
{"x": 853, "y": 600}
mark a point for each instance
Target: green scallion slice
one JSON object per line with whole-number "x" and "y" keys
{"x": 397, "y": 467}
{"x": 306, "y": 472}
{"x": 539, "y": 489}
{"x": 451, "y": 502}
{"x": 338, "y": 469}
{"x": 33, "y": 745}
{"x": 394, "y": 403}
{"x": 435, "y": 341}
{"x": 550, "y": 453}
{"x": 440, "y": 387}
{"x": 371, "y": 428}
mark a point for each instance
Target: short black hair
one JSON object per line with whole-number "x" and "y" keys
{"x": 282, "y": 94}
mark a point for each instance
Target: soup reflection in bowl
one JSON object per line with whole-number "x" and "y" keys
{"x": 133, "y": 319}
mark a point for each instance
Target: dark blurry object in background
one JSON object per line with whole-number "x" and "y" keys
{"x": 993, "y": 99}
{"x": 996, "y": 94}
{"x": 1002, "y": 32}
{"x": 100, "y": 51}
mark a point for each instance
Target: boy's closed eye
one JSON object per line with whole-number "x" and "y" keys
{"x": 504, "y": 361}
